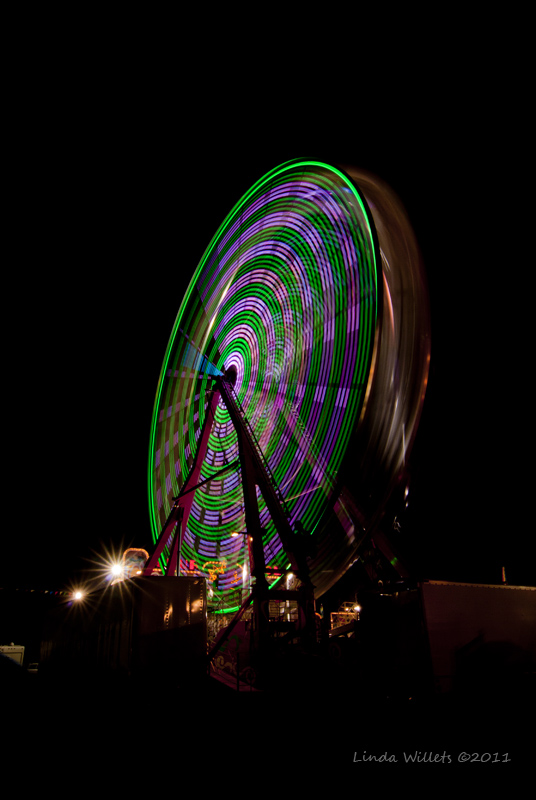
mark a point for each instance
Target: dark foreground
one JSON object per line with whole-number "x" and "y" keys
{"x": 323, "y": 727}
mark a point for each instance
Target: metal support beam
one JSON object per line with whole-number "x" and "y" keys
{"x": 183, "y": 503}
{"x": 255, "y": 473}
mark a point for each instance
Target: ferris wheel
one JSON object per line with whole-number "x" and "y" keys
{"x": 292, "y": 384}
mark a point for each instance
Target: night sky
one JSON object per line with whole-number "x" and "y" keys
{"x": 116, "y": 196}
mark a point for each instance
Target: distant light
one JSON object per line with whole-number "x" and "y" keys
{"x": 78, "y": 595}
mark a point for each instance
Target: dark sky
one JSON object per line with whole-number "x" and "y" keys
{"x": 117, "y": 194}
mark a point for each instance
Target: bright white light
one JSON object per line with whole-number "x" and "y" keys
{"x": 116, "y": 570}
{"x": 78, "y": 595}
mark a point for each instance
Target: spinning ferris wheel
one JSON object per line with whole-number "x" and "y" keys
{"x": 292, "y": 384}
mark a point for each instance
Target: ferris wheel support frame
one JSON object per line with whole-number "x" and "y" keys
{"x": 254, "y": 474}
{"x": 178, "y": 516}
